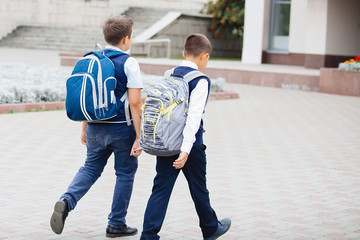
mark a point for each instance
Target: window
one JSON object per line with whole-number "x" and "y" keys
{"x": 279, "y": 26}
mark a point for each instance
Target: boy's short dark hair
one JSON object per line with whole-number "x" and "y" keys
{"x": 116, "y": 28}
{"x": 197, "y": 43}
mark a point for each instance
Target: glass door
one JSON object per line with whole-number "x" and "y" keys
{"x": 279, "y": 26}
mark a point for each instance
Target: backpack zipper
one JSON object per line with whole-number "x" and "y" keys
{"x": 99, "y": 78}
{"x": 106, "y": 104}
{"x": 82, "y": 95}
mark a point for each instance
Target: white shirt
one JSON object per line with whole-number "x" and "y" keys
{"x": 198, "y": 98}
{"x": 131, "y": 69}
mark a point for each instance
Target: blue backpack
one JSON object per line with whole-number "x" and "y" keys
{"x": 91, "y": 89}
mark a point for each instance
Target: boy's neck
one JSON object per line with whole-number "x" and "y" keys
{"x": 193, "y": 60}
{"x": 120, "y": 46}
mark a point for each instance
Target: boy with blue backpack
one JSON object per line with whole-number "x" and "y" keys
{"x": 191, "y": 159}
{"x": 101, "y": 82}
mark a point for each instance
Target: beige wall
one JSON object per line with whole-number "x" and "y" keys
{"x": 190, "y": 5}
{"x": 298, "y": 27}
{"x": 56, "y": 13}
{"x": 325, "y": 27}
{"x": 80, "y": 13}
{"x": 343, "y": 28}
{"x": 315, "y": 22}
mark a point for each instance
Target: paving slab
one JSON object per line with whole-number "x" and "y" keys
{"x": 281, "y": 164}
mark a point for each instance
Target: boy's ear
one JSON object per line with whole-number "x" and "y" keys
{"x": 203, "y": 55}
{"x": 183, "y": 53}
{"x": 125, "y": 39}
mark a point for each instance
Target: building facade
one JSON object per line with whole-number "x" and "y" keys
{"x": 310, "y": 33}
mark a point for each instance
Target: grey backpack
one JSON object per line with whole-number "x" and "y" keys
{"x": 164, "y": 114}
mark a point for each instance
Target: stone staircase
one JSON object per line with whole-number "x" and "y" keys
{"x": 75, "y": 39}
{"x": 53, "y": 38}
{"x": 144, "y": 18}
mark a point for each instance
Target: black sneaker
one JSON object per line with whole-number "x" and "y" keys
{"x": 124, "y": 230}
{"x": 223, "y": 227}
{"x": 59, "y": 215}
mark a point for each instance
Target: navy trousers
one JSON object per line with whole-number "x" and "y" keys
{"x": 195, "y": 174}
{"x": 102, "y": 141}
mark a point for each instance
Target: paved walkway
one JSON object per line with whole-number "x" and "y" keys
{"x": 282, "y": 164}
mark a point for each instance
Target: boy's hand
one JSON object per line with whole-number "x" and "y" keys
{"x": 180, "y": 162}
{"x": 136, "y": 149}
{"x": 83, "y": 137}
{"x": 83, "y": 132}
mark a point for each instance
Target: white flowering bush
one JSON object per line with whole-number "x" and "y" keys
{"x": 21, "y": 83}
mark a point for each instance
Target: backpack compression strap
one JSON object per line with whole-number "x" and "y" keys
{"x": 125, "y": 100}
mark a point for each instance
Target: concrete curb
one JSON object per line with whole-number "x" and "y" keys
{"x": 24, "y": 107}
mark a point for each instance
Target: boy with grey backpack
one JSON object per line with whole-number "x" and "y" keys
{"x": 172, "y": 130}
{"x": 164, "y": 114}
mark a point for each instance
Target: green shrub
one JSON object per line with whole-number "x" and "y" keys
{"x": 227, "y": 17}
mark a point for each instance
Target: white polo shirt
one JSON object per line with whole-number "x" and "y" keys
{"x": 196, "y": 110}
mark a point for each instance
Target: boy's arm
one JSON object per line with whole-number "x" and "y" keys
{"x": 135, "y": 108}
{"x": 196, "y": 108}
{"x": 83, "y": 132}
{"x": 134, "y": 85}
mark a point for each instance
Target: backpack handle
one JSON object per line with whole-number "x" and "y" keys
{"x": 97, "y": 54}
{"x": 177, "y": 75}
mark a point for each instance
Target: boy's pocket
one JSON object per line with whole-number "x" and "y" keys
{"x": 204, "y": 147}
{"x": 122, "y": 144}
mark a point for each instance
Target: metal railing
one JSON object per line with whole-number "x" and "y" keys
{"x": 151, "y": 41}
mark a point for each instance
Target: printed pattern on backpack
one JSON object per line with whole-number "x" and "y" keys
{"x": 91, "y": 88}
{"x": 164, "y": 115}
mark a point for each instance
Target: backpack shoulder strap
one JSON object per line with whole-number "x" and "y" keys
{"x": 194, "y": 74}
{"x": 189, "y": 76}
{"x": 114, "y": 54}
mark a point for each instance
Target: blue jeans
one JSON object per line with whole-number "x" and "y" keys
{"x": 102, "y": 141}
{"x": 166, "y": 175}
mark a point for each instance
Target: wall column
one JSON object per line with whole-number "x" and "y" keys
{"x": 253, "y": 31}
{"x": 315, "y": 20}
